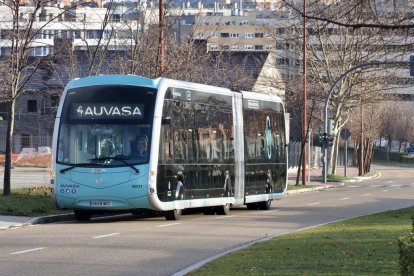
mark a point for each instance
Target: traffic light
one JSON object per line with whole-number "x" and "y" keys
{"x": 326, "y": 139}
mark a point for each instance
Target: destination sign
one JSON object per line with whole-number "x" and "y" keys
{"x": 106, "y": 111}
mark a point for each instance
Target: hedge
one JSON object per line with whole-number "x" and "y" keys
{"x": 406, "y": 245}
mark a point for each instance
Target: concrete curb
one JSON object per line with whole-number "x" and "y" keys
{"x": 50, "y": 219}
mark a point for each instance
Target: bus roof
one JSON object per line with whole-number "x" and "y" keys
{"x": 261, "y": 96}
{"x": 113, "y": 79}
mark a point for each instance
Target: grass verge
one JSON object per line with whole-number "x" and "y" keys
{"x": 28, "y": 202}
{"x": 361, "y": 246}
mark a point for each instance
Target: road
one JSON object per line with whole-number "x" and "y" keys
{"x": 152, "y": 246}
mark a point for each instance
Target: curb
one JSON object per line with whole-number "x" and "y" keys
{"x": 50, "y": 219}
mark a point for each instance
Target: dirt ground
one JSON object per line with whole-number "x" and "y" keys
{"x": 41, "y": 161}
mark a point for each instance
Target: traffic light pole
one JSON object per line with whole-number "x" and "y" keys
{"x": 325, "y": 129}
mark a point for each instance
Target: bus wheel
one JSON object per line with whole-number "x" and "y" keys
{"x": 173, "y": 214}
{"x": 223, "y": 210}
{"x": 265, "y": 205}
{"x": 252, "y": 206}
{"x": 82, "y": 215}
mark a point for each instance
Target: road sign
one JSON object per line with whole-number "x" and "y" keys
{"x": 345, "y": 134}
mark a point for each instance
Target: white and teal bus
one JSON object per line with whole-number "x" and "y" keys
{"x": 207, "y": 147}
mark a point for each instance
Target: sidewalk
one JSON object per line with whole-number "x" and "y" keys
{"x": 317, "y": 179}
{"x": 315, "y": 183}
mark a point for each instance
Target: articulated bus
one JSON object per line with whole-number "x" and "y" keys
{"x": 201, "y": 147}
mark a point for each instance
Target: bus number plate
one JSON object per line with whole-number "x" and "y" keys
{"x": 101, "y": 203}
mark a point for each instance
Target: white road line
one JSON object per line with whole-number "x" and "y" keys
{"x": 315, "y": 203}
{"x": 169, "y": 224}
{"x": 396, "y": 186}
{"x": 366, "y": 194}
{"x": 354, "y": 186}
{"x": 345, "y": 198}
{"x": 223, "y": 217}
{"x": 271, "y": 211}
{"x": 385, "y": 191}
{"x": 26, "y": 251}
{"x": 104, "y": 236}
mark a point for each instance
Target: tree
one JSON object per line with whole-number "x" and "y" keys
{"x": 21, "y": 26}
{"x": 333, "y": 49}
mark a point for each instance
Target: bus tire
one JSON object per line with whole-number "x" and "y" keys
{"x": 82, "y": 215}
{"x": 265, "y": 205}
{"x": 173, "y": 214}
{"x": 223, "y": 210}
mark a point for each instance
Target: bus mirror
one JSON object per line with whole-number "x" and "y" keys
{"x": 166, "y": 120}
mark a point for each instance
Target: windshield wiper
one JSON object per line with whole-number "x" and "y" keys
{"x": 62, "y": 171}
{"x": 105, "y": 158}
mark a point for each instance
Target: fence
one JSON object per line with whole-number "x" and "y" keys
{"x": 294, "y": 149}
{"x": 25, "y": 141}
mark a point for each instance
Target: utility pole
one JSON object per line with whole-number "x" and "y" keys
{"x": 161, "y": 38}
{"x": 304, "y": 127}
{"x": 361, "y": 143}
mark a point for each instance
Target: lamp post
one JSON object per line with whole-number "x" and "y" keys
{"x": 304, "y": 128}
{"x": 325, "y": 148}
{"x": 161, "y": 38}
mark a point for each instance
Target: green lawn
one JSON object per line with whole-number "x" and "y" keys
{"x": 25, "y": 202}
{"x": 361, "y": 246}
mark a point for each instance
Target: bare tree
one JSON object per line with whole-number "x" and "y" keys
{"x": 21, "y": 25}
{"x": 332, "y": 50}
{"x": 356, "y": 14}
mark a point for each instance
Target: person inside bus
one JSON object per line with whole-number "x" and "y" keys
{"x": 141, "y": 148}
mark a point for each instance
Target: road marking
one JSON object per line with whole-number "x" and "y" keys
{"x": 396, "y": 186}
{"x": 271, "y": 211}
{"x": 315, "y": 203}
{"x": 169, "y": 224}
{"x": 385, "y": 191}
{"x": 104, "y": 236}
{"x": 345, "y": 198}
{"x": 26, "y": 251}
{"x": 223, "y": 217}
{"x": 366, "y": 194}
{"x": 354, "y": 186}
{"x": 376, "y": 185}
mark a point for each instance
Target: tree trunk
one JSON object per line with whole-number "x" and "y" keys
{"x": 9, "y": 147}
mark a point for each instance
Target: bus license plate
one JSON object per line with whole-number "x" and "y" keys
{"x": 101, "y": 203}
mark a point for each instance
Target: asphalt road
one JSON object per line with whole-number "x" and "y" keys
{"x": 152, "y": 246}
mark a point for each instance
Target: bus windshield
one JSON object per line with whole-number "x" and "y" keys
{"x": 106, "y": 126}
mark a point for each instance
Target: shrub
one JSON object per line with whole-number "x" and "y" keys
{"x": 406, "y": 245}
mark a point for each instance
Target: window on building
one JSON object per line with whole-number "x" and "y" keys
{"x": 116, "y": 18}
{"x": 248, "y": 35}
{"x": 258, "y": 47}
{"x": 258, "y": 35}
{"x": 42, "y": 15}
{"x": 40, "y": 51}
{"x": 32, "y": 106}
{"x": 234, "y": 47}
{"x": 234, "y": 35}
{"x": 213, "y": 47}
{"x": 224, "y": 35}
{"x": 249, "y": 47}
